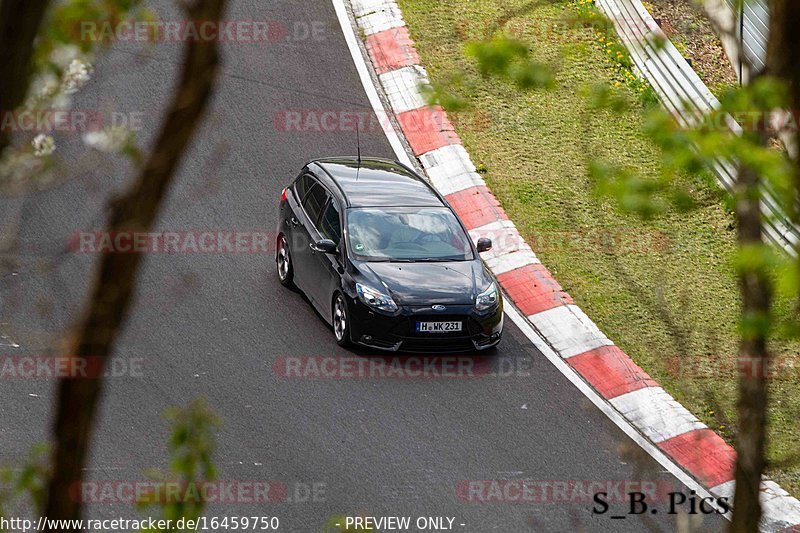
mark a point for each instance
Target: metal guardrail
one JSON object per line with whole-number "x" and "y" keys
{"x": 684, "y": 94}
{"x": 752, "y": 29}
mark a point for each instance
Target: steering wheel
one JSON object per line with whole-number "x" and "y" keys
{"x": 426, "y": 238}
{"x": 408, "y": 245}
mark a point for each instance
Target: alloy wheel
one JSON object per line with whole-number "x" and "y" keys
{"x": 339, "y": 318}
{"x": 284, "y": 262}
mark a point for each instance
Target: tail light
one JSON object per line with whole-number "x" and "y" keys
{"x": 283, "y": 195}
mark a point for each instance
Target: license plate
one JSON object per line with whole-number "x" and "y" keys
{"x": 438, "y": 327}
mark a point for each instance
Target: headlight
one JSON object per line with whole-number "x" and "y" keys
{"x": 487, "y": 299}
{"x": 375, "y": 299}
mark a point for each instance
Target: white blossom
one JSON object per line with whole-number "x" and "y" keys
{"x": 64, "y": 55}
{"x": 76, "y": 76}
{"x": 46, "y": 85}
{"x": 43, "y": 145}
{"x": 112, "y": 139}
{"x": 44, "y": 88}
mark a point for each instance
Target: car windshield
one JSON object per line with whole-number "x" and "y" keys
{"x": 407, "y": 234}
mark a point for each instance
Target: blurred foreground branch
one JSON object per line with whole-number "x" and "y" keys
{"x": 111, "y": 295}
{"x": 783, "y": 63}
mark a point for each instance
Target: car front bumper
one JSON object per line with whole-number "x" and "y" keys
{"x": 372, "y": 329}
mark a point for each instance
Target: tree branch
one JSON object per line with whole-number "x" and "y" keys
{"x": 111, "y": 295}
{"x": 753, "y": 387}
{"x": 783, "y": 62}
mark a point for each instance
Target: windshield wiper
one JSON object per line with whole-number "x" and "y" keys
{"x": 417, "y": 260}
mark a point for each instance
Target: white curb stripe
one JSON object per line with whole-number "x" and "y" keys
{"x": 656, "y": 414}
{"x": 401, "y": 87}
{"x": 781, "y": 510}
{"x": 509, "y": 250}
{"x": 450, "y": 169}
{"x": 569, "y": 330}
{"x": 450, "y": 160}
{"x": 494, "y": 228}
{"x": 375, "y": 16}
{"x": 724, "y": 490}
{"x": 508, "y": 262}
{"x": 364, "y": 7}
{"x": 778, "y": 502}
{"x": 457, "y": 183}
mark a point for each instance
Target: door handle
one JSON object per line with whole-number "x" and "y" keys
{"x": 294, "y": 221}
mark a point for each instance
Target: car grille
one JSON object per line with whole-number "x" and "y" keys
{"x": 438, "y": 345}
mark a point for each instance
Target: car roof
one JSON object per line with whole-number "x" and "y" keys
{"x": 379, "y": 183}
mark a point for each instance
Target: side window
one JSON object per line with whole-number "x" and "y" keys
{"x": 315, "y": 201}
{"x": 302, "y": 186}
{"x": 329, "y": 225}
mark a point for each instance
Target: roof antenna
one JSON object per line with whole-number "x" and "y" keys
{"x": 358, "y": 145}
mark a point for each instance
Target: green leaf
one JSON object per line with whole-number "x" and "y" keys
{"x": 496, "y": 55}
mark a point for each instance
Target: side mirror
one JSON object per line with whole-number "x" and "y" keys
{"x": 325, "y": 246}
{"x": 484, "y": 244}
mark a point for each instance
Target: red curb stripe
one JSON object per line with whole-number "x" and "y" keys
{"x": 476, "y": 206}
{"x": 703, "y": 453}
{"x": 392, "y": 49}
{"x": 609, "y": 370}
{"x": 533, "y": 289}
{"x": 427, "y": 128}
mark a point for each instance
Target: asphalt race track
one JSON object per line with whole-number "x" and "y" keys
{"x": 219, "y": 325}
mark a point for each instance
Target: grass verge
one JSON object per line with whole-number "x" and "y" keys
{"x": 665, "y": 290}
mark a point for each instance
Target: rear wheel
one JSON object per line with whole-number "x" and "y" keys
{"x": 284, "y": 263}
{"x": 341, "y": 321}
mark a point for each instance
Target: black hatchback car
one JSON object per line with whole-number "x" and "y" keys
{"x": 385, "y": 260}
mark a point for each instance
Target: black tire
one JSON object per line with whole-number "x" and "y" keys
{"x": 283, "y": 261}
{"x": 340, "y": 317}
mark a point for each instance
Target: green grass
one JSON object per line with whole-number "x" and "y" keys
{"x": 666, "y": 292}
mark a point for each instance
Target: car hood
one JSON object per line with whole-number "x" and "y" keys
{"x": 423, "y": 283}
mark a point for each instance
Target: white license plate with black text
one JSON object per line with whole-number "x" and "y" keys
{"x": 438, "y": 327}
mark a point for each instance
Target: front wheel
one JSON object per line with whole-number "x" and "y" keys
{"x": 284, "y": 263}
{"x": 341, "y": 321}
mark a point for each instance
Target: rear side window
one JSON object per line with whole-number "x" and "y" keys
{"x": 329, "y": 225}
{"x": 314, "y": 201}
{"x": 302, "y": 186}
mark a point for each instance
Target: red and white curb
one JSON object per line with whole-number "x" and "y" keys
{"x": 572, "y": 335}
